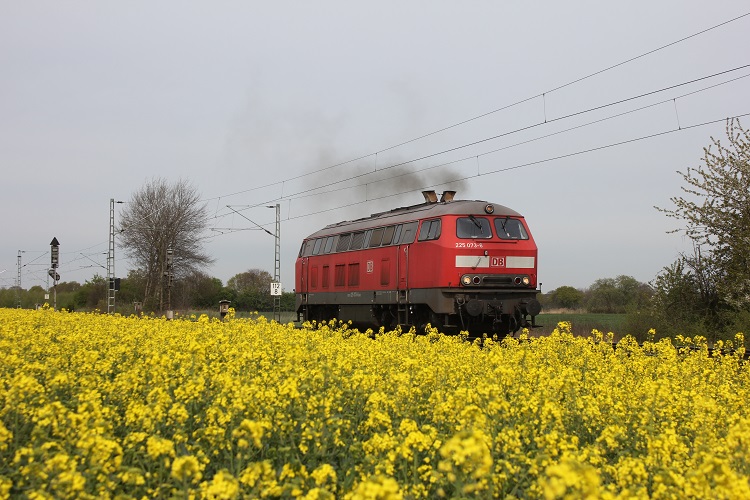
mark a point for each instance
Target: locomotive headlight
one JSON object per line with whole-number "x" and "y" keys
{"x": 526, "y": 280}
{"x": 466, "y": 280}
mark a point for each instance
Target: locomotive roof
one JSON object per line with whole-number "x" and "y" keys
{"x": 415, "y": 212}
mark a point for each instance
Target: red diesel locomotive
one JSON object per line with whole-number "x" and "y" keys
{"x": 458, "y": 265}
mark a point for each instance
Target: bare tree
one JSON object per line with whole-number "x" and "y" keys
{"x": 161, "y": 217}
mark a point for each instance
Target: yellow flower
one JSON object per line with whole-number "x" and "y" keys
{"x": 186, "y": 469}
{"x": 157, "y": 447}
{"x": 258, "y": 472}
{"x": 466, "y": 453}
{"x": 570, "y": 479}
{"x": 323, "y": 474}
{"x": 250, "y": 429}
{"x": 376, "y": 488}
{"x": 5, "y": 436}
{"x": 223, "y": 486}
{"x": 5, "y": 486}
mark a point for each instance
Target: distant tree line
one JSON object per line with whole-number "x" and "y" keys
{"x": 607, "y": 295}
{"x": 247, "y": 291}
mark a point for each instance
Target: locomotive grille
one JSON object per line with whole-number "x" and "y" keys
{"x": 497, "y": 280}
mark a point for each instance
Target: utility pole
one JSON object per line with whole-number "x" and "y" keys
{"x": 111, "y": 259}
{"x": 18, "y": 283}
{"x": 276, "y": 285}
{"x": 169, "y": 274}
{"x": 114, "y": 283}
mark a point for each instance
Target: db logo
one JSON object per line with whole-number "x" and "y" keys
{"x": 497, "y": 261}
{"x": 370, "y": 267}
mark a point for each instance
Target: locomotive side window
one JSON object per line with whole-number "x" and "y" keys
{"x": 377, "y": 237}
{"x": 357, "y": 240}
{"x": 316, "y": 248}
{"x": 435, "y": 227}
{"x": 473, "y": 227}
{"x": 510, "y": 229}
{"x": 309, "y": 247}
{"x": 354, "y": 274}
{"x": 385, "y": 272}
{"x": 314, "y": 277}
{"x": 430, "y": 230}
{"x": 340, "y": 278}
{"x": 397, "y": 234}
{"x": 388, "y": 235}
{"x": 408, "y": 232}
{"x": 329, "y": 244}
{"x": 424, "y": 230}
{"x": 344, "y": 240}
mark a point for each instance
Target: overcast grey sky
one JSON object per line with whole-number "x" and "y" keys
{"x": 255, "y": 102}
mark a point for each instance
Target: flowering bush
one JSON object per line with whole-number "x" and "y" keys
{"x": 95, "y": 406}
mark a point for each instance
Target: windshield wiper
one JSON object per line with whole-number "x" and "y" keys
{"x": 475, "y": 221}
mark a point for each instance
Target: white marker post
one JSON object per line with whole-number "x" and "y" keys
{"x": 276, "y": 292}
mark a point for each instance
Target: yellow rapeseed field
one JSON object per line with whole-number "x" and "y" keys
{"x": 97, "y": 406}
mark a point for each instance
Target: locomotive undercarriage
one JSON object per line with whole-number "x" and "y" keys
{"x": 494, "y": 312}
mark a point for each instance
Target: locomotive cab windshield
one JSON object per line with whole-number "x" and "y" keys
{"x": 510, "y": 229}
{"x": 506, "y": 228}
{"x": 473, "y": 228}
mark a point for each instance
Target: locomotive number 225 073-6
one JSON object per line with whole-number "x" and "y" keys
{"x": 470, "y": 244}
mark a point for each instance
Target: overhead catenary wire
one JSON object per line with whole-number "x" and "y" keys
{"x": 528, "y": 141}
{"x": 315, "y": 191}
{"x": 545, "y": 160}
{"x": 494, "y": 111}
{"x": 528, "y": 164}
{"x": 242, "y": 215}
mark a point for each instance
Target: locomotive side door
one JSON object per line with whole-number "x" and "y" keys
{"x": 303, "y": 275}
{"x": 403, "y": 267}
{"x": 302, "y": 269}
{"x": 402, "y": 305}
{"x": 406, "y": 235}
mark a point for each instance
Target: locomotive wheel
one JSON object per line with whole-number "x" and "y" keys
{"x": 320, "y": 314}
{"x": 386, "y": 318}
{"x": 425, "y": 316}
{"x": 436, "y": 322}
